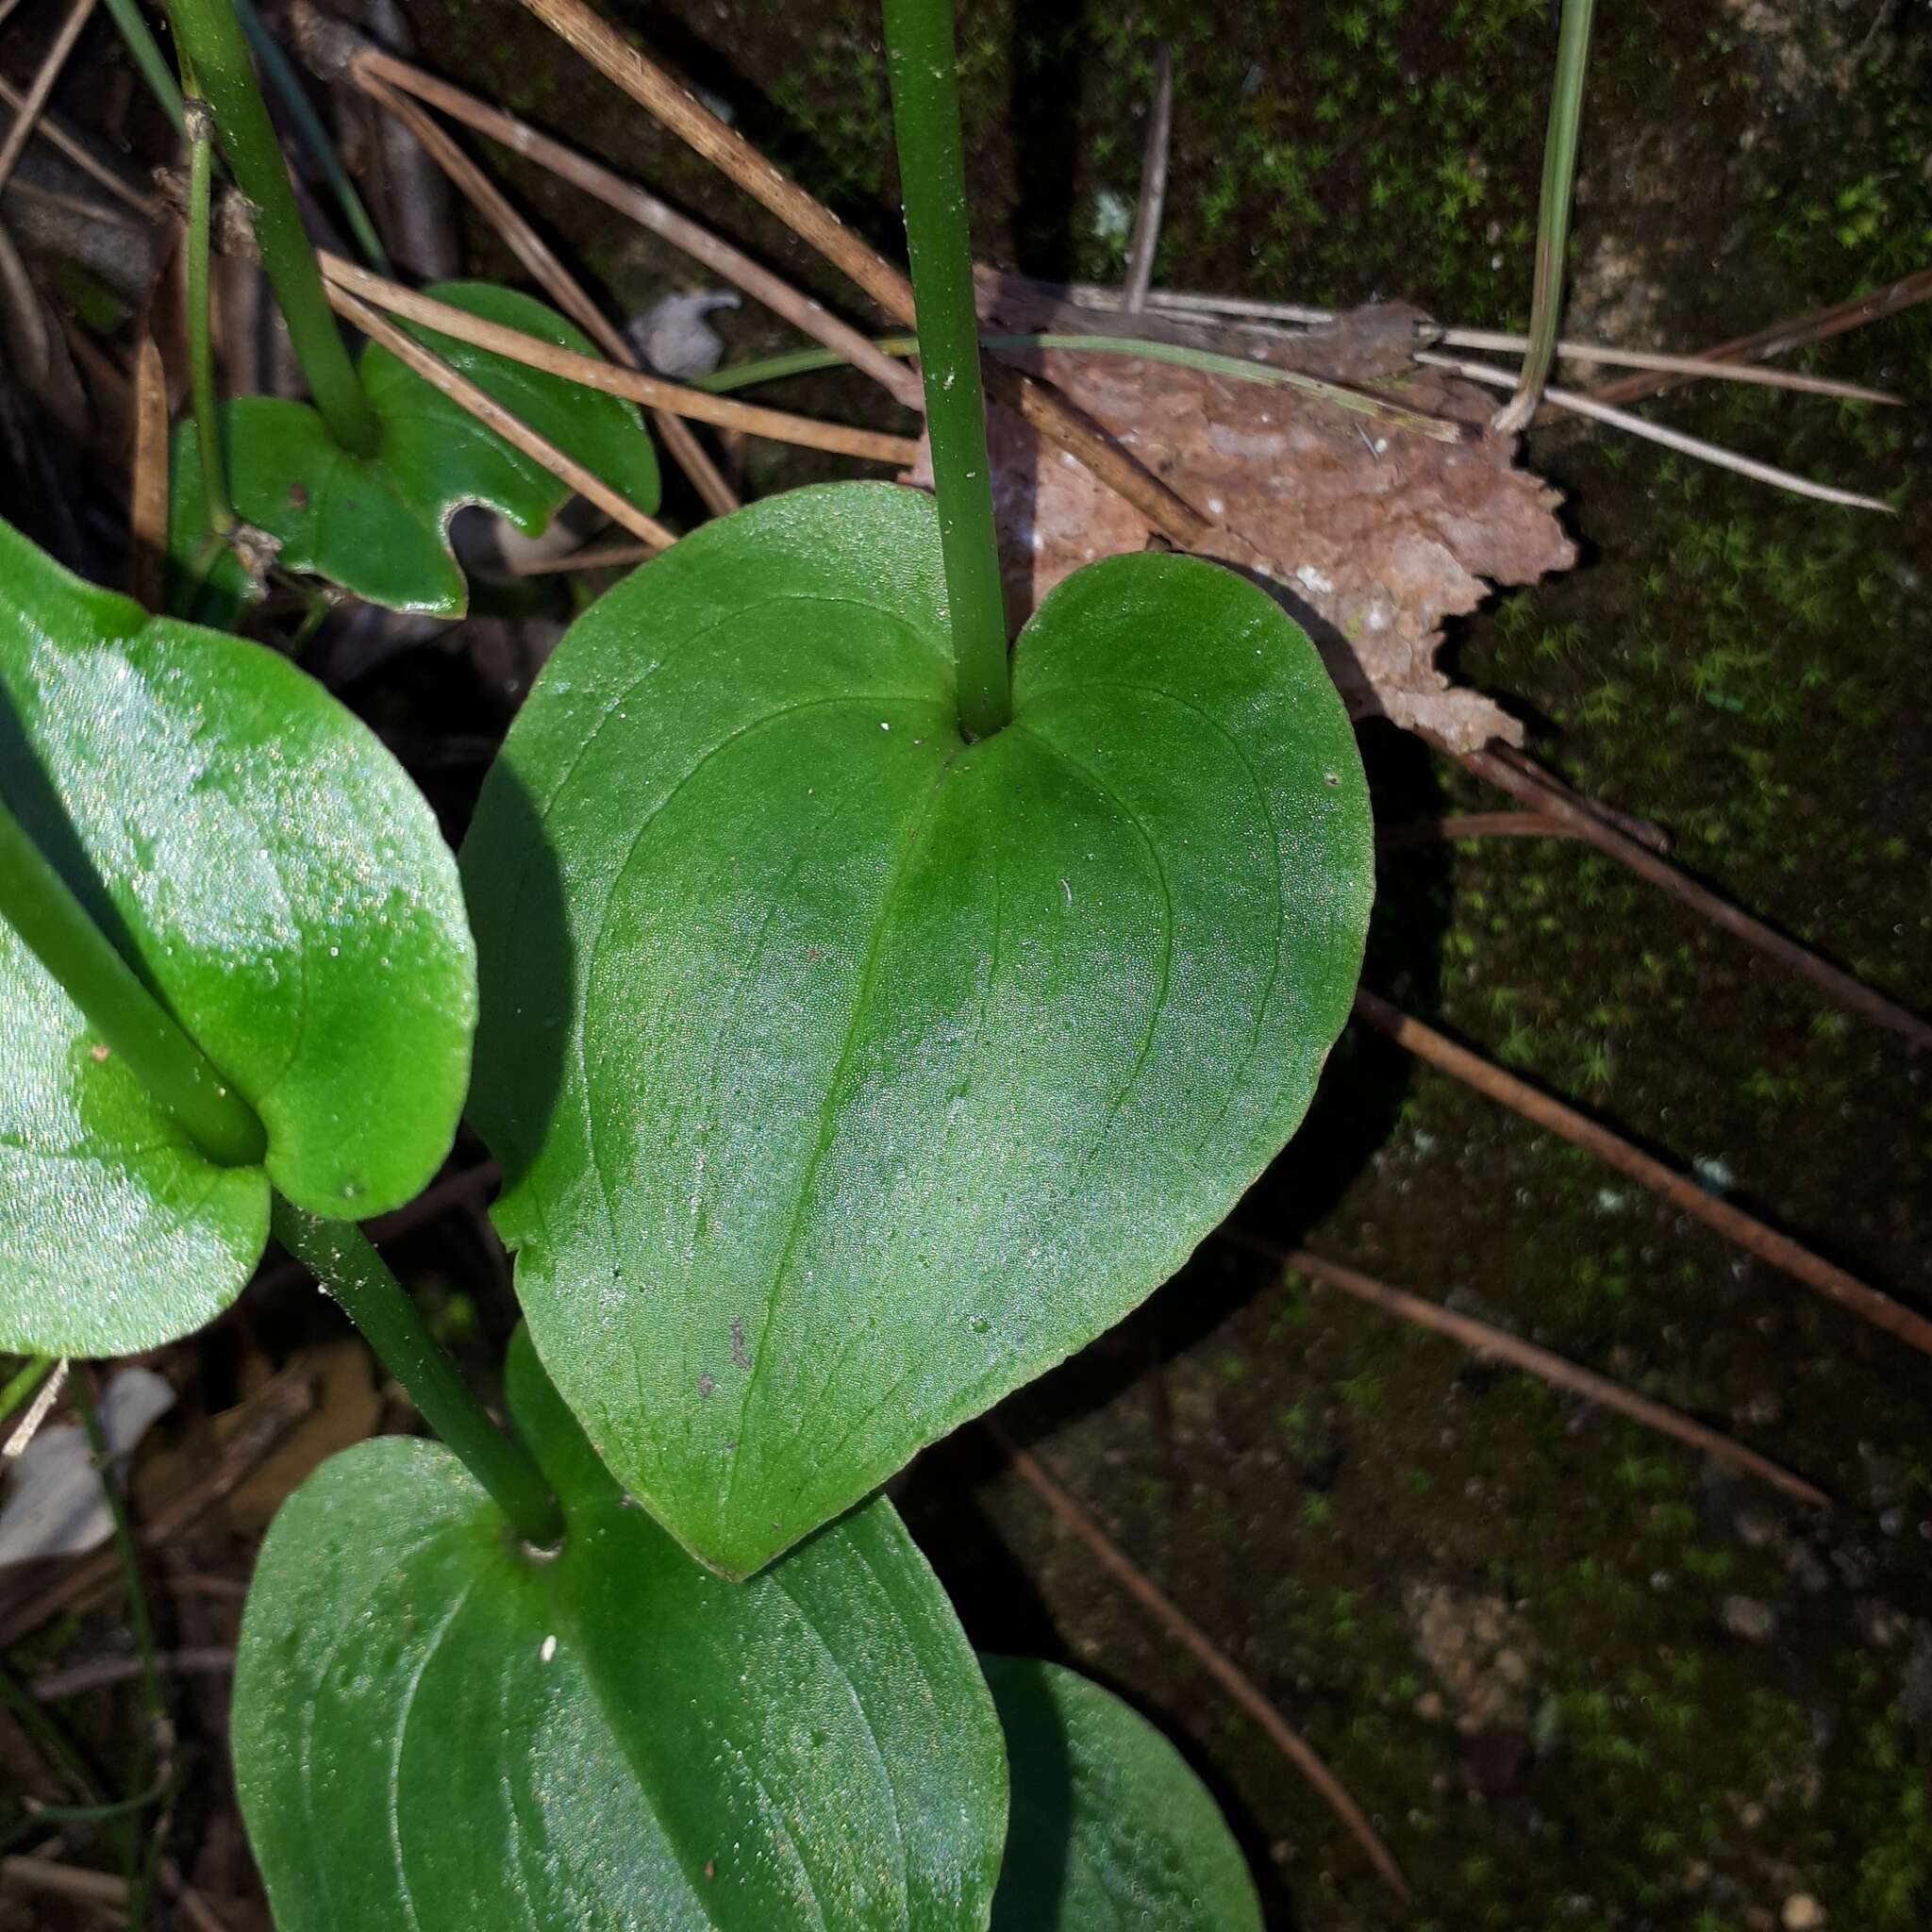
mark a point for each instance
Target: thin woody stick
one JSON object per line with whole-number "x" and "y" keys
{"x": 1477, "y": 824}
{"x": 592, "y": 556}
{"x": 1779, "y": 1250}
{"x": 1498, "y": 1345}
{"x": 1147, "y": 236}
{"x": 1207, "y": 1654}
{"x": 562, "y": 287}
{"x": 1691, "y": 368}
{"x": 41, "y": 86}
{"x": 1512, "y": 773}
{"x": 1044, "y": 408}
{"x": 1782, "y": 335}
{"x": 1293, "y": 319}
{"x": 50, "y": 130}
{"x": 492, "y": 415}
{"x": 339, "y": 53}
{"x": 776, "y": 425}
{"x": 1653, "y": 432}
{"x": 147, "y": 511}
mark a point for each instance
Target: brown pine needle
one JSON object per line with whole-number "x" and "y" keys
{"x": 1297, "y": 318}
{"x": 557, "y": 281}
{"x": 50, "y": 130}
{"x": 492, "y": 415}
{"x": 776, "y": 425}
{"x": 1509, "y": 771}
{"x": 340, "y": 53}
{"x": 1145, "y": 239}
{"x": 1653, "y": 432}
{"x": 1690, "y": 367}
{"x": 41, "y": 86}
{"x": 1207, "y": 1654}
{"x": 1475, "y": 825}
{"x": 1818, "y": 325}
{"x": 727, "y": 150}
{"x": 1497, "y": 1344}
{"x": 592, "y": 556}
{"x": 147, "y": 514}
{"x": 1777, "y": 1250}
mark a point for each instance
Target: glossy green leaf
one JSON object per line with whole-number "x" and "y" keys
{"x": 380, "y": 525}
{"x": 435, "y": 1729}
{"x": 846, "y": 1077}
{"x": 272, "y": 874}
{"x": 1110, "y": 1831}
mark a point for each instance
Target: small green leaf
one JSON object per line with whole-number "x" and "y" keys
{"x": 442, "y": 456}
{"x": 380, "y": 525}
{"x": 434, "y": 1729}
{"x": 846, "y": 1076}
{"x": 1110, "y": 1828}
{"x": 271, "y": 873}
{"x": 336, "y": 516}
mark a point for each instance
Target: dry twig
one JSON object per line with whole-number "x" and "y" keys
{"x": 1293, "y": 319}
{"x": 50, "y": 1687}
{"x": 50, "y": 130}
{"x": 340, "y": 53}
{"x": 778, "y": 426}
{"x": 727, "y": 150}
{"x": 1512, "y": 774}
{"x": 41, "y": 86}
{"x": 562, "y": 287}
{"x": 592, "y": 556}
{"x": 147, "y": 516}
{"x": 1655, "y": 432}
{"x": 268, "y": 1419}
{"x": 1153, "y": 203}
{"x": 1478, "y": 825}
{"x": 1497, "y": 1344}
{"x": 1207, "y": 1653}
{"x": 101, "y": 1890}
{"x": 1779, "y": 1250}
{"x": 1781, "y": 336}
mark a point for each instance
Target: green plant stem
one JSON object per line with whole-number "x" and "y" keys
{"x": 920, "y": 66}
{"x": 294, "y": 99}
{"x": 211, "y": 37}
{"x": 1553, "y": 216}
{"x": 147, "y": 55}
{"x": 152, "y": 1737}
{"x": 58, "y": 929}
{"x": 201, "y": 350}
{"x": 345, "y": 1264}
{"x": 23, "y": 1381}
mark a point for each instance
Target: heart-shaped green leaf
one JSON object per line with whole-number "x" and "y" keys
{"x": 435, "y": 1729}
{"x": 1110, "y": 1828}
{"x": 379, "y": 526}
{"x": 271, "y": 873}
{"x": 846, "y": 1076}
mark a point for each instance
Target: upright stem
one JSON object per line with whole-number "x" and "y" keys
{"x": 288, "y": 86}
{"x": 201, "y": 351}
{"x": 375, "y": 1301}
{"x": 23, "y": 1381}
{"x": 213, "y": 40}
{"x": 1553, "y": 217}
{"x": 58, "y": 929}
{"x": 925, "y": 116}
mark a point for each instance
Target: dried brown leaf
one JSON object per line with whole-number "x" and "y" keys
{"x": 1373, "y": 538}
